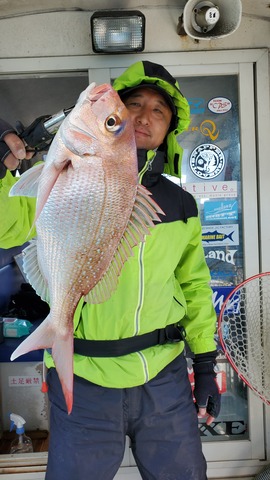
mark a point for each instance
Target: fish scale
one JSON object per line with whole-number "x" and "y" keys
{"x": 90, "y": 213}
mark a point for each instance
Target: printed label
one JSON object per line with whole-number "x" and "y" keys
{"x": 220, "y": 235}
{"x": 196, "y": 105}
{"x": 207, "y": 161}
{"x": 221, "y": 210}
{"x": 227, "y": 428}
{"x": 212, "y": 189}
{"x": 227, "y": 256}
{"x": 24, "y": 381}
{"x": 219, "y": 105}
{"x": 219, "y": 296}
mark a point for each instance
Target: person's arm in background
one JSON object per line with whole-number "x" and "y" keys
{"x": 17, "y": 213}
{"x": 200, "y": 324}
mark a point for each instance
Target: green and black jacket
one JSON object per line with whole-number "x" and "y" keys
{"x": 165, "y": 282}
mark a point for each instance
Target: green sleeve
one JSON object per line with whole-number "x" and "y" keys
{"x": 17, "y": 215}
{"x": 194, "y": 278}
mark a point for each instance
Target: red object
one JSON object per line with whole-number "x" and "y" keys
{"x": 44, "y": 387}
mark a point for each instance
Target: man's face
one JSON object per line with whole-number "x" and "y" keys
{"x": 151, "y": 116}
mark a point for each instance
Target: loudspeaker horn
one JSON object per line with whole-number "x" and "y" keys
{"x": 204, "y": 20}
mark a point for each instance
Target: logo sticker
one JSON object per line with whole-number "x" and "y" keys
{"x": 207, "y": 161}
{"x": 196, "y": 105}
{"x": 225, "y": 235}
{"x": 212, "y": 189}
{"x": 221, "y": 210}
{"x": 219, "y": 105}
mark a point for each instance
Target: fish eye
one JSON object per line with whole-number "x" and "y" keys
{"x": 112, "y": 123}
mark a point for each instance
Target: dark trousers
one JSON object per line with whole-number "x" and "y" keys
{"x": 159, "y": 417}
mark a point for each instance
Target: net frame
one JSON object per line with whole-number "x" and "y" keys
{"x": 244, "y": 332}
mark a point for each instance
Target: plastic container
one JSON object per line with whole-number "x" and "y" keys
{"x": 22, "y": 443}
{"x": 16, "y": 327}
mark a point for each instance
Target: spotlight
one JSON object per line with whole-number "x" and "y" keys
{"x": 118, "y": 32}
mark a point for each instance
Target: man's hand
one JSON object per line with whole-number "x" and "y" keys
{"x": 17, "y": 151}
{"x": 12, "y": 148}
{"x": 206, "y": 391}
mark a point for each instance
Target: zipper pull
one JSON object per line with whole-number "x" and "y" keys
{"x": 149, "y": 167}
{"x": 150, "y": 162}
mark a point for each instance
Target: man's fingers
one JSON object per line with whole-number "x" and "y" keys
{"x": 209, "y": 420}
{"x": 202, "y": 413}
{"x": 16, "y": 146}
{"x": 11, "y": 162}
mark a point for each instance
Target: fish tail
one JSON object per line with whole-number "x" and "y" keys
{"x": 62, "y": 352}
{"x": 40, "y": 338}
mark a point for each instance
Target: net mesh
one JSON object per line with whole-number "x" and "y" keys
{"x": 264, "y": 475}
{"x": 244, "y": 330}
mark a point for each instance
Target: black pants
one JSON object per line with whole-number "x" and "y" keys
{"x": 159, "y": 417}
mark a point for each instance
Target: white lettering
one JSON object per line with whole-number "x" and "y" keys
{"x": 227, "y": 257}
{"x": 218, "y": 302}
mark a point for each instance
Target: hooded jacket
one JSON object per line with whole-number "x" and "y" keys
{"x": 152, "y": 74}
{"x": 165, "y": 282}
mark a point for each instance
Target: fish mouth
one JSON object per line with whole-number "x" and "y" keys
{"x": 98, "y": 92}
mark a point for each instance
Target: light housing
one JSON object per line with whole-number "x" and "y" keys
{"x": 117, "y": 32}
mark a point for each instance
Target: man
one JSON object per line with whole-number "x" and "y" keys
{"x": 162, "y": 291}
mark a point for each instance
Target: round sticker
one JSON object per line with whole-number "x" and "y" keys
{"x": 219, "y": 105}
{"x": 207, "y": 161}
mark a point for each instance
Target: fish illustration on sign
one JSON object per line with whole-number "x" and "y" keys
{"x": 216, "y": 236}
{"x": 90, "y": 213}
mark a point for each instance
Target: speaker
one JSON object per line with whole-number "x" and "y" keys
{"x": 204, "y": 20}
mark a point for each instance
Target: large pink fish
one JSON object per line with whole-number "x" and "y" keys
{"x": 90, "y": 212}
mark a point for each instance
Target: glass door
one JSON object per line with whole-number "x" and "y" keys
{"x": 219, "y": 168}
{"x": 212, "y": 173}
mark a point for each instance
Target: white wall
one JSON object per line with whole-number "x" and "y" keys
{"x": 68, "y": 33}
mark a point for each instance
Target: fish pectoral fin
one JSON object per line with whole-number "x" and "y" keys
{"x": 40, "y": 338}
{"x": 27, "y": 185}
{"x": 49, "y": 178}
{"x": 33, "y": 272}
{"x": 145, "y": 212}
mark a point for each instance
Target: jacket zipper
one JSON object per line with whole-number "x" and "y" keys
{"x": 140, "y": 290}
{"x": 148, "y": 164}
{"x": 147, "y": 167}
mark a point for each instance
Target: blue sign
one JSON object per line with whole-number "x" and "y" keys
{"x": 221, "y": 210}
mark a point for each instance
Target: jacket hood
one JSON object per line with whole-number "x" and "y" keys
{"x": 148, "y": 73}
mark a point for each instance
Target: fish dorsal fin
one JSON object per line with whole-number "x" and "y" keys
{"x": 144, "y": 214}
{"x": 27, "y": 185}
{"x": 33, "y": 272}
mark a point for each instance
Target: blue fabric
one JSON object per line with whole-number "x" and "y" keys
{"x": 159, "y": 417}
